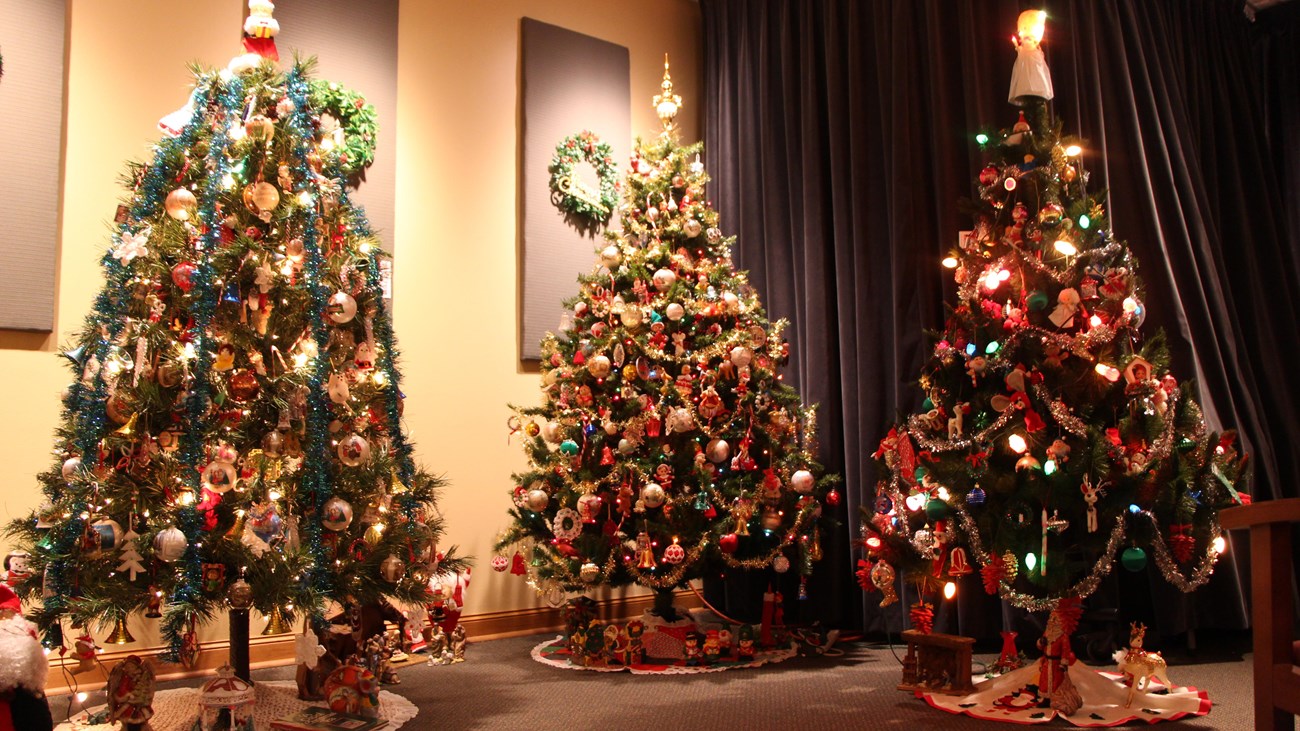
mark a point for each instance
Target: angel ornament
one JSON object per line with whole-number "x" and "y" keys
{"x": 1030, "y": 77}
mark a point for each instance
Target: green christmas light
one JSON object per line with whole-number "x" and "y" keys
{"x": 1084, "y": 221}
{"x": 982, "y": 138}
{"x": 1049, "y": 467}
{"x": 991, "y": 348}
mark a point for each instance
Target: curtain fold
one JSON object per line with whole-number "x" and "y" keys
{"x": 839, "y": 137}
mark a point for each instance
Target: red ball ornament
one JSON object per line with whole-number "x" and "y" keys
{"x": 729, "y": 543}
{"x": 989, "y": 175}
{"x": 832, "y": 498}
{"x": 183, "y": 275}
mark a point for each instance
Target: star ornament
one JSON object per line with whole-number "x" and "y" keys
{"x": 307, "y": 651}
{"x": 130, "y": 246}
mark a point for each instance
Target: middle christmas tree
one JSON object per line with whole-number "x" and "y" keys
{"x": 667, "y": 447}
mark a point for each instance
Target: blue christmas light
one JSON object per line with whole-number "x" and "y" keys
{"x": 1134, "y": 509}
{"x": 970, "y": 348}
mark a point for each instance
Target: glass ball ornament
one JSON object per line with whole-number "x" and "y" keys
{"x": 336, "y": 514}
{"x": 717, "y": 451}
{"x": 183, "y": 275}
{"x": 260, "y": 128}
{"x": 392, "y": 568}
{"x": 341, "y": 308}
{"x": 240, "y": 594}
{"x": 599, "y": 366}
{"x": 653, "y": 495}
{"x": 675, "y": 311}
{"x": 354, "y": 450}
{"x": 118, "y": 409}
{"x": 611, "y": 257}
{"x": 989, "y": 175}
{"x": 219, "y": 477}
{"x": 265, "y": 522}
{"x": 71, "y": 466}
{"x": 1037, "y": 300}
{"x": 674, "y": 553}
{"x": 551, "y": 432}
{"x": 883, "y": 504}
{"x": 500, "y": 563}
{"x": 1133, "y": 558}
{"x": 569, "y": 447}
{"x": 713, "y": 235}
{"x": 632, "y": 316}
{"x": 1050, "y": 215}
{"x": 741, "y": 356}
{"x": 103, "y": 535}
{"x": 664, "y": 279}
{"x": 170, "y": 543}
{"x": 975, "y": 497}
{"x": 181, "y": 204}
{"x": 692, "y": 228}
{"x": 537, "y": 500}
{"x": 833, "y": 498}
{"x": 261, "y": 197}
{"x": 802, "y": 481}
{"x": 243, "y": 385}
{"x": 589, "y": 572}
{"x": 589, "y": 507}
{"x": 780, "y": 564}
{"x": 273, "y": 444}
{"x": 728, "y": 543}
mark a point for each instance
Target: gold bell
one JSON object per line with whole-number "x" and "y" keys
{"x": 119, "y": 635}
{"x": 275, "y": 624}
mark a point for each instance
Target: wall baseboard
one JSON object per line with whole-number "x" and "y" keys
{"x": 277, "y": 650}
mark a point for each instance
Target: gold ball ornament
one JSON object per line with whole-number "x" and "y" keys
{"x": 629, "y": 372}
{"x": 692, "y": 228}
{"x": 354, "y": 450}
{"x": 632, "y": 317}
{"x": 181, "y": 204}
{"x": 342, "y": 307}
{"x": 599, "y": 366}
{"x": 589, "y": 572}
{"x": 261, "y": 197}
{"x": 243, "y": 385}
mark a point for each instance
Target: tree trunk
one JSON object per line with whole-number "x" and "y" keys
{"x": 663, "y": 607}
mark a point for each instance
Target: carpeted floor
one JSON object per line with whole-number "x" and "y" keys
{"x": 500, "y": 687}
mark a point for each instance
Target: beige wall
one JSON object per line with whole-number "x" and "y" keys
{"x": 456, "y": 264}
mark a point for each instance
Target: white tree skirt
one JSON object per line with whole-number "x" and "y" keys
{"x": 1004, "y": 698}
{"x": 177, "y": 709}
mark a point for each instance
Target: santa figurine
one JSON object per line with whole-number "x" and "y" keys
{"x": 23, "y": 670}
{"x": 1055, "y": 688}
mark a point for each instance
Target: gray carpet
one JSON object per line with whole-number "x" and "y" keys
{"x": 500, "y": 687}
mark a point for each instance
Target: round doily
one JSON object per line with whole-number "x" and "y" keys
{"x": 175, "y": 710}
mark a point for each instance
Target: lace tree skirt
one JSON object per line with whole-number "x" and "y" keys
{"x": 1005, "y": 698}
{"x": 177, "y": 709}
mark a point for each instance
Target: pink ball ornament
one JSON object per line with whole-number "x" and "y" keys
{"x": 802, "y": 481}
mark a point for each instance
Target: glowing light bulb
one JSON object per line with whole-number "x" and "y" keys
{"x": 1004, "y": 275}
{"x": 274, "y": 494}
{"x": 970, "y": 348}
{"x": 186, "y": 498}
{"x": 1134, "y": 509}
{"x": 1073, "y": 150}
{"x": 950, "y": 262}
{"x": 1084, "y": 221}
{"x": 949, "y": 590}
{"x": 380, "y": 378}
{"x": 365, "y": 247}
{"x": 1049, "y": 467}
{"x": 82, "y": 696}
{"x": 1065, "y": 247}
{"x": 873, "y": 542}
{"x": 305, "y": 198}
{"x": 1009, "y": 184}
{"x": 1030, "y": 561}
{"x": 991, "y": 348}
{"x": 227, "y": 181}
{"x": 982, "y": 138}
{"x": 915, "y": 501}
{"x": 943, "y": 493}
{"x": 1130, "y": 305}
{"x": 1220, "y": 545}
{"x": 1109, "y": 372}
{"x": 1017, "y": 443}
{"x": 1094, "y": 321}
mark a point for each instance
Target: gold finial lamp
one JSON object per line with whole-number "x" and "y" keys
{"x": 667, "y": 103}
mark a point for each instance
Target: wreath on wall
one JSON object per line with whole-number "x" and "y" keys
{"x": 572, "y": 195}
{"x": 353, "y": 123}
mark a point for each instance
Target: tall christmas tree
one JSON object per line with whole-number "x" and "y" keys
{"x": 235, "y": 405}
{"x": 1053, "y": 440}
{"x": 667, "y": 447}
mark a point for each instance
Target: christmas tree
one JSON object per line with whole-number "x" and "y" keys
{"x": 667, "y": 447}
{"x": 233, "y": 423}
{"x": 1053, "y": 440}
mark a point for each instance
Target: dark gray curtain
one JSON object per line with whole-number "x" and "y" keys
{"x": 840, "y": 136}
